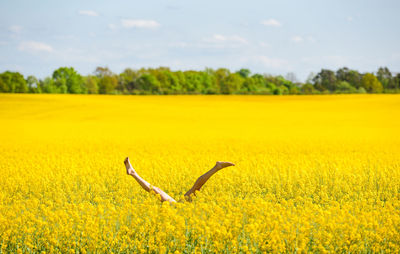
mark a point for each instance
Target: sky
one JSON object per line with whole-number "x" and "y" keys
{"x": 267, "y": 37}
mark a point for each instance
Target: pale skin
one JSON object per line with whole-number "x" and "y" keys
{"x": 164, "y": 196}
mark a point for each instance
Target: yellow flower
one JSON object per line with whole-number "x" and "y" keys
{"x": 312, "y": 174}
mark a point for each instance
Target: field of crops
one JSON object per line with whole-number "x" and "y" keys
{"x": 313, "y": 173}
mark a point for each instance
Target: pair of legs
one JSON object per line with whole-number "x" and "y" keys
{"x": 164, "y": 196}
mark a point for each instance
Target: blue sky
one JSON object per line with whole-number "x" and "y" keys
{"x": 274, "y": 37}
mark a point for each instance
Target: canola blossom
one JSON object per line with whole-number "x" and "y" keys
{"x": 313, "y": 174}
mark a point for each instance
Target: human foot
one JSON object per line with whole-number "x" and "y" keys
{"x": 129, "y": 168}
{"x": 223, "y": 164}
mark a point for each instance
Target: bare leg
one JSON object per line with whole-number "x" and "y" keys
{"x": 145, "y": 185}
{"x": 204, "y": 178}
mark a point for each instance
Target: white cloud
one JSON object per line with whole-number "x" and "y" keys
{"x": 297, "y": 39}
{"x": 112, "y": 26}
{"x": 34, "y": 46}
{"x": 330, "y": 61}
{"x": 73, "y": 55}
{"x": 139, "y": 23}
{"x": 264, "y": 44}
{"x": 15, "y": 29}
{"x": 66, "y": 37}
{"x": 395, "y": 55}
{"x": 311, "y": 39}
{"x": 271, "y": 62}
{"x": 218, "y": 38}
{"x": 216, "y": 41}
{"x": 300, "y": 39}
{"x": 88, "y": 13}
{"x": 271, "y": 22}
{"x": 179, "y": 44}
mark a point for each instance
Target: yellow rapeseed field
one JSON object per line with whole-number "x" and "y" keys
{"x": 313, "y": 173}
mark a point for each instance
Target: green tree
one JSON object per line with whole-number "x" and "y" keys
{"x": 3, "y": 86}
{"x": 279, "y": 90}
{"x": 127, "y": 80}
{"x": 69, "y": 81}
{"x": 244, "y": 73}
{"x": 220, "y": 75}
{"x": 396, "y": 82}
{"x": 13, "y": 82}
{"x": 370, "y": 83}
{"x": 325, "y": 80}
{"x": 307, "y": 88}
{"x": 173, "y": 81}
{"x": 47, "y": 85}
{"x": 361, "y": 90}
{"x": 354, "y": 78}
{"x": 209, "y": 86}
{"x": 232, "y": 84}
{"x": 385, "y": 77}
{"x": 294, "y": 90}
{"x": 345, "y": 87}
{"x": 209, "y": 82}
{"x": 270, "y": 86}
{"x": 281, "y": 81}
{"x": 351, "y": 76}
{"x": 194, "y": 82}
{"x": 341, "y": 74}
{"x": 91, "y": 83}
{"x": 254, "y": 85}
{"x": 102, "y": 72}
{"x": 61, "y": 86}
{"x": 178, "y": 85}
{"x": 107, "y": 84}
{"x": 149, "y": 84}
{"x": 33, "y": 84}
{"x": 168, "y": 82}
{"x": 107, "y": 80}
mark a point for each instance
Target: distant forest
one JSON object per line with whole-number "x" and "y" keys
{"x": 209, "y": 81}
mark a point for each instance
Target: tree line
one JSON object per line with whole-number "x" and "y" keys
{"x": 209, "y": 81}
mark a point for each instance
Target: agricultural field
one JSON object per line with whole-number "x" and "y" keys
{"x": 313, "y": 173}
